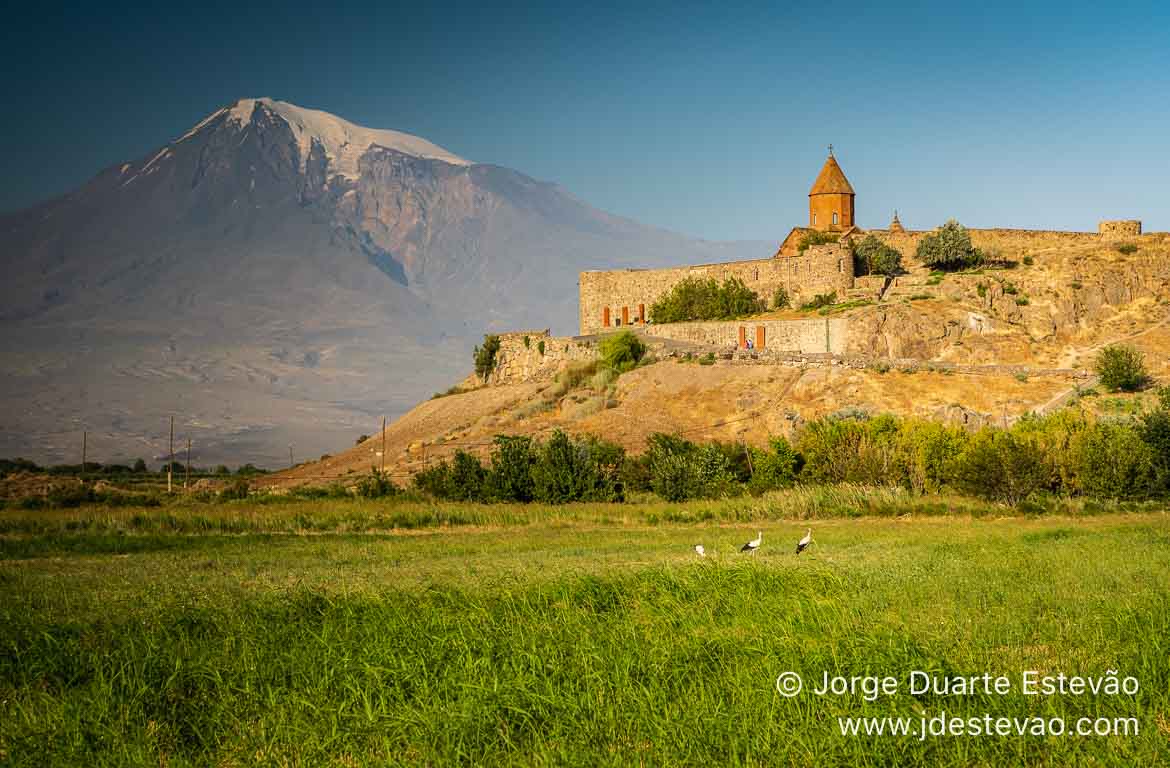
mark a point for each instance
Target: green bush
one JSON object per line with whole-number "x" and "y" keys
{"x": 1112, "y": 460}
{"x": 466, "y": 479}
{"x": 635, "y": 473}
{"x": 236, "y": 490}
{"x": 1001, "y": 465}
{"x": 820, "y": 300}
{"x": 949, "y": 248}
{"x": 1121, "y": 368}
{"x": 780, "y": 299}
{"x": 510, "y": 476}
{"x": 926, "y": 452}
{"x": 570, "y": 469}
{"x": 69, "y": 494}
{"x": 1154, "y": 429}
{"x": 540, "y": 347}
{"x": 682, "y": 470}
{"x": 697, "y": 299}
{"x": 773, "y": 469}
{"x": 485, "y": 356}
{"x": 621, "y": 352}
{"x": 1028, "y": 261}
{"x": 433, "y": 481}
{"x": 1127, "y": 248}
{"x": 873, "y": 257}
{"x": 815, "y": 237}
{"x": 1163, "y": 394}
{"x": 375, "y": 485}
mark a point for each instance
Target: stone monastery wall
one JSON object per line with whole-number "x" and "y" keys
{"x": 820, "y": 334}
{"x": 621, "y": 298}
{"x": 1115, "y": 229}
{"x": 538, "y": 358}
{"x": 1006, "y": 240}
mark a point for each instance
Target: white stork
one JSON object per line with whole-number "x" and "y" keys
{"x": 700, "y": 551}
{"x": 802, "y": 545}
{"x": 754, "y": 544}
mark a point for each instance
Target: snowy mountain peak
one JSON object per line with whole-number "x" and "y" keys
{"x": 343, "y": 142}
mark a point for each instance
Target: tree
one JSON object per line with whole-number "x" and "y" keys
{"x": 139, "y": 467}
{"x": 681, "y": 470}
{"x": 361, "y": 439}
{"x": 510, "y": 476}
{"x": 815, "y": 237}
{"x": 622, "y": 351}
{"x": 1155, "y": 431}
{"x": 465, "y": 483}
{"x": 877, "y": 258}
{"x": 1121, "y": 368}
{"x": 1002, "y": 466}
{"x": 949, "y": 248}
{"x": 376, "y": 485}
{"x": 1113, "y": 461}
{"x": 773, "y": 469}
{"x": 781, "y": 300}
{"x": 577, "y": 470}
{"x": 485, "y": 356}
{"x": 694, "y": 298}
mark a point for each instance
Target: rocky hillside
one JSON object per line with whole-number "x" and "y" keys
{"x": 1051, "y": 304}
{"x": 278, "y": 276}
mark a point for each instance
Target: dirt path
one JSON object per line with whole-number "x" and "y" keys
{"x": 1063, "y": 397}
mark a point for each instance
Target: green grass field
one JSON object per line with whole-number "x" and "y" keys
{"x": 405, "y": 633}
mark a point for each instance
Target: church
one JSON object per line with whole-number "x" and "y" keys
{"x": 830, "y": 208}
{"x": 616, "y": 298}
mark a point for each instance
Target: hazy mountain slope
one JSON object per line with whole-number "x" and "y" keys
{"x": 277, "y": 275}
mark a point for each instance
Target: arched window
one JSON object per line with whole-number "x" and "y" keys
{"x": 814, "y": 219}
{"x": 834, "y": 217}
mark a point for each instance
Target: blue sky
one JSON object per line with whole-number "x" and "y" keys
{"x": 707, "y": 119}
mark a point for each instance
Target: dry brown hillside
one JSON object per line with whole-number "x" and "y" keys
{"x": 1061, "y": 303}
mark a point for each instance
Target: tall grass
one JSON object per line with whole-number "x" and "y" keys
{"x": 666, "y": 660}
{"x": 274, "y": 514}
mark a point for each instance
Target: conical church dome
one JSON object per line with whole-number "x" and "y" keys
{"x": 831, "y": 180}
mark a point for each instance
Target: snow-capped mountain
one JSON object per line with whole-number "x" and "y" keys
{"x": 279, "y": 275}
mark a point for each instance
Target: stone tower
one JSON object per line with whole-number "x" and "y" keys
{"x": 830, "y": 201}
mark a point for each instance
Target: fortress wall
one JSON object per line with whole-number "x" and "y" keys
{"x": 1119, "y": 229}
{"x": 520, "y": 362}
{"x": 821, "y": 334}
{"x": 623, "y": 294}
{"x": 1006, "y": 241}
{"x": 517, "y": 361}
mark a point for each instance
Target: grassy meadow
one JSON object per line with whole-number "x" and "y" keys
{"x": 402, "y": 632}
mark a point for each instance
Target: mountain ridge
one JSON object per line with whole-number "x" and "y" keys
{"x": 203, "y": 278}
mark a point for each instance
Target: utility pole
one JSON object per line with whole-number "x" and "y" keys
{"x": 383, "y": 445}
{"x": 84, "y": 436}
{"x": 290, "y": 460}
{"x": 171, "y": 459}
{"x": 187, "y": 475}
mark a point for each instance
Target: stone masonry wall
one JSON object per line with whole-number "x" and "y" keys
{"x": 820, "y": 334}
{"x": 625, "y": 296}
{"x": 1010, "y": 241}
{"x": 538, "y": 360}
{"x": 1116, "y": 229}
